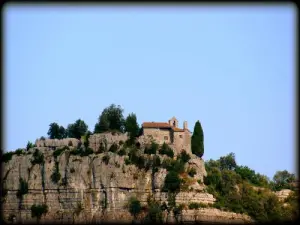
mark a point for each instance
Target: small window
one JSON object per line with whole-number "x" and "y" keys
{"x": 166, "y": 138}
{"x": 180, "y": 136}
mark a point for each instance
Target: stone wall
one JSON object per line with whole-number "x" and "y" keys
{"x": 56, "y": 142}
{"x": 158, "y": 135}
{"x": 107, "y": 139}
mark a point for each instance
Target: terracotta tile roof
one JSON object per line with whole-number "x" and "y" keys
{"x": 177, "y": 129}
{"x": 160, "y": 125}
{"x": 155, "y": 125}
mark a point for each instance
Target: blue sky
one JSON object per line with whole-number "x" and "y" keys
{"x": 232, "y": 68}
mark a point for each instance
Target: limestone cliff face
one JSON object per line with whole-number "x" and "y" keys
{"x": 89, "y": 188}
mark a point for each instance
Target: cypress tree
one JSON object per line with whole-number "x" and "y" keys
{"x": 198, "y": 140}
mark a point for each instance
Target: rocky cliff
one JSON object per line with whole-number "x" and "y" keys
{"x": 93, "y": 188}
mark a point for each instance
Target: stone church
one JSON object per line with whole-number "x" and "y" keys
{"x": 169, "y": 132}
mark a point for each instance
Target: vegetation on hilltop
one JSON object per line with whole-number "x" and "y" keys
{"x": 236, "y": 187}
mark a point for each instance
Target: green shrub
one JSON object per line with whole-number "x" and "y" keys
{"x": 184, "y": 156}
{"x": 23, "y": 188}
{"x": 154, "y": 213}
{"x": 105, "y": 159}
{"x": 29, "y": 145}
{"x": 152, "y": 149}
{"x": 192, "y": 172}
{"x": 42, "y": 138}
{"x": 19, "y": 152}
{"x": 101, "y": 148}
{"x": 113, "y": 148}
{"x": 156, "y": 161}
{"x": 122, "y": 152}
{"x": 57, "y": 152}
{"x": 6, "y": 157}
{"x": 166, "y": 150}
{"x": 134, "y": 206}
{"x": 55, "y": 176}
{"x": 127, "y": 161}
{"x": 194, "y": 205}
{"x": 172, "y": 182}
{"x": 38, "y": 210}
{"x": 70, "y": 143}
{"x": 121, "y": 142}
{"x": 38, "y": 157}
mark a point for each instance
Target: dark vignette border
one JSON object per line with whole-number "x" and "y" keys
{"x": 155, "y": 4}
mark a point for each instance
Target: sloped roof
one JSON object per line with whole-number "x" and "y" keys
{"x": 155, "y": 125}
{"x": 161, "y": 125}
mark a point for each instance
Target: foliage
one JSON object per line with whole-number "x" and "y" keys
{"x": 82, "y": 151}
{"x": 172, "y": 182}
{"x": 55, "y": 176}
{"x": 59, "y": 151}
{"x": 132, "y": 127}
{"x": 192, "y": 172}
{"x": 134, "y": 206}
{"x": 228, "y": 162}
{"x": 105, "y": 159}
{"x": 122, "y": 152}
{"x": 38, "y": 210}
{"x": 29, "y": 145}
{"x": 152, "y": 149}
{"x": 23, "y": 188}
{"x": 166, "y": 150}
{"x": 184, "y": 156}
{"x": 198, "y": 140}
{"x": 197, "y": 205}
{"x": 110, "y": 119}
{"x": 234, "y": 191}
{"x": 113, "y": 148}
{"x": 154, "y": 214}
{"x": 19, "y": 152}
{"x": 56, "y": 132}
{"x": 38, "y": 157}
{"x": 7, "y": 156}
{"x": 283, "y": 180}
{"x": 77, "y": 129}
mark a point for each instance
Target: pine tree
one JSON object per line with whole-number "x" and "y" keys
{"x": 198, "y": 140}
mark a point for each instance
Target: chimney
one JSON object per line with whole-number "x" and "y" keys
{"x": 185, "y": 125}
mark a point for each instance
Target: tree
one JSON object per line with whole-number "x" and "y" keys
{"x": 131, "y": 126}
{"x": 77, "y": 129}
{"x": 172, "y": 182}
{"x": 110, "y": 119}
{"x": 134, "y": 207}
{"x": 56, "y": 132}
{"x": 198, "y": 140}
{"x": 283, "y": 180}
{"x": 228, "y": 162}
{"x": 38, "y": 210}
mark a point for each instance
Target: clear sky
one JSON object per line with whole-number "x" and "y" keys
{"x": 232, "y": 68}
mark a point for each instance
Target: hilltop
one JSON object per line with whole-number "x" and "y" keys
{"x": 121, "y": 172}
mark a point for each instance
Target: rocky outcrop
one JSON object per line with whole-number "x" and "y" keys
{"x": 56, "y": 142}
{"x": 106, "y": 140}
{"x": 91, "y": 188}
{"x": 283, "y": 194}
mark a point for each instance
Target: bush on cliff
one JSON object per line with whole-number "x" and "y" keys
{"x": 134, "y": 207}
{"x": 152, "y": 149}
{"x": 38, "y": 210}
{"x": 56, "y": 132}
{"x": 172, "y": 182}
{"x": 166, "y": 150}
{"x": 23, "y": 188}
{"x": 132, "y": 127}
{"x": 7, "y": 156}
{"x": 110, "y": 119}
{"x": 38, "y": 157}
